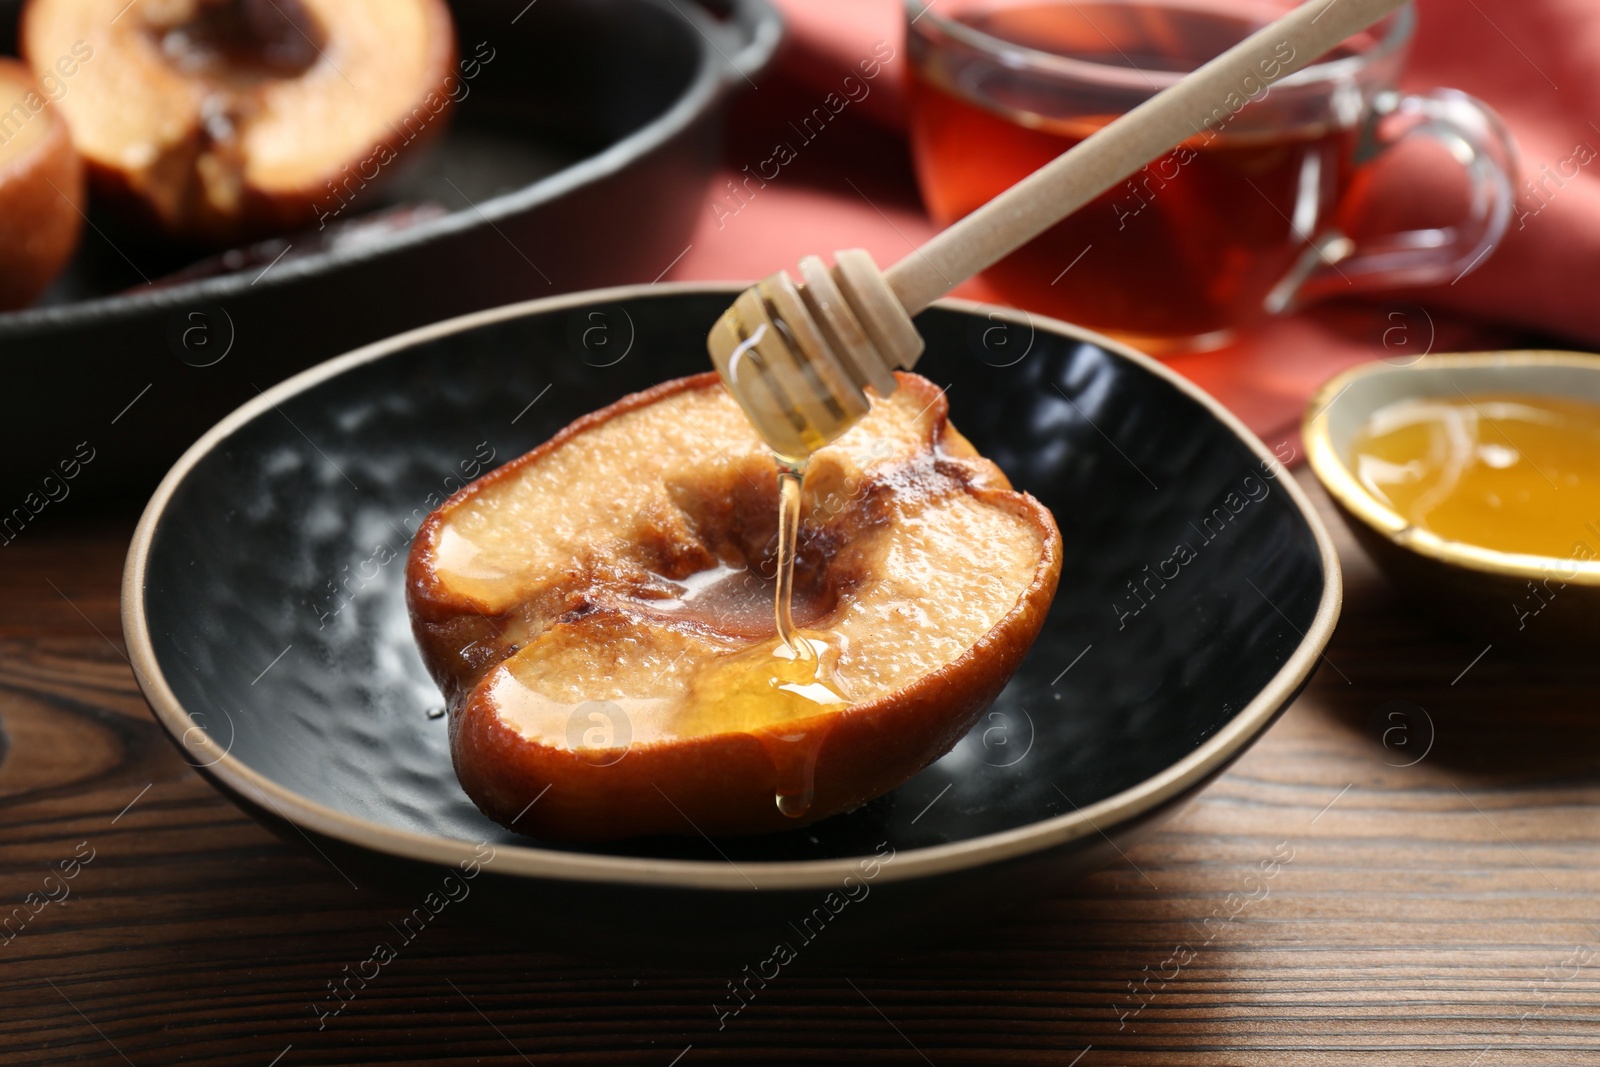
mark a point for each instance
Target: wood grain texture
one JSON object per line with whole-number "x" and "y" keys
{"x": 1439, "y": 913}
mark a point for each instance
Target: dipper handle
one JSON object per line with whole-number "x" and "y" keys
{"x": 798, "y": 358}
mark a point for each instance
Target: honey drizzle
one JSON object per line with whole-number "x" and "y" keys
{"x": 794, "y": 758}
{"x": 793, "y": 755}
{"x": 784, "y": 692}
{"x": 791, "y": 477}
{"x": 794, "y": 668}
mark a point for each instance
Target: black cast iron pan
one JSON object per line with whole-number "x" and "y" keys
{"x": 580, "y": 157}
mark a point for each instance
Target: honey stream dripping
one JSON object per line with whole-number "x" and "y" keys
{"x": 791, "y": 478}
{"x": 777, "y": 691}
{"x": 795, "y": 756}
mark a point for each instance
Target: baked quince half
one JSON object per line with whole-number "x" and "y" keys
{"x": 41, "y": 188}
{"x": 584, "y": 607}
{"x": 216, "y": 121}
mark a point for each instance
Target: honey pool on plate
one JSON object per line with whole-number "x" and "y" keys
{"x": 1506, "y": 471}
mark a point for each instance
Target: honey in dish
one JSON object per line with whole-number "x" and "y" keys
{"x": 1506, "y": 471}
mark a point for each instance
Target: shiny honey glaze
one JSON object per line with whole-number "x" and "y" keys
{"x": 773, "y": 691}
{"x": 779, "y": 690}
{"x": 1506, "y": 471}
{"x": 788, "y": 679}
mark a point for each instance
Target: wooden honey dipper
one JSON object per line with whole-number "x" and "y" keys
{"x": 800, "y": 357}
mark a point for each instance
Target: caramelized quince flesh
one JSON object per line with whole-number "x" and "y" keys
{"x": 630, "y": 560}
{"x": 600, "y": 616}
{"x": 225, "y": 120}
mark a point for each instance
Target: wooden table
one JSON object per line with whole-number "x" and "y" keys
{"x": 1443, "y": 912}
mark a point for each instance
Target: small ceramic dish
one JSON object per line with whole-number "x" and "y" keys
{"x": 1506, "y": 598}
{"x": 264, "y": 607}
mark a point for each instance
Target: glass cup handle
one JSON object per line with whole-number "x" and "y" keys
{"x": 1476, "y": 137}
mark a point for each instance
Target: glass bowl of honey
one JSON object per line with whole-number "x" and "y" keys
{"x": 1473, "y": 481}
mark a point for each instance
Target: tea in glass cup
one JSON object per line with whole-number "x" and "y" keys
{"x": 1247, "y": 218}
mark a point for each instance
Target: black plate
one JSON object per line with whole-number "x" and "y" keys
{"x": 308, "y": 709}
{"x": 579, "y": 156}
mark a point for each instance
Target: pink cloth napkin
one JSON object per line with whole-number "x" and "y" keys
{"x": 850, "y": 184}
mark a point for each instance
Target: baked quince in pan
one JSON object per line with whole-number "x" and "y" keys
{"x": 218, "y": 121}
{"x": 41, "y": 188}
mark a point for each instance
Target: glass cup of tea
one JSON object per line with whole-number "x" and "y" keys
{"x": 1257, "y": 214}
